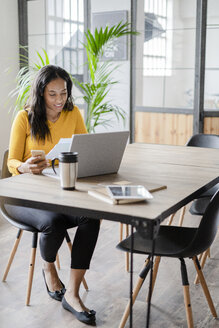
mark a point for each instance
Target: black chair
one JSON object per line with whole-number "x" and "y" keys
{"x": 206, "y": 141}
{"x": 21, "y": 227}
{"x": 199, "y": 205}
{"x": 178, "y": 242}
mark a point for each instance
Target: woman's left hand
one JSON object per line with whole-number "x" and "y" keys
{"x": 34, "y": 165}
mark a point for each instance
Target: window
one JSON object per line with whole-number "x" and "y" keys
{"x": 157, "y": 50}
{"x": 65, "y": 30}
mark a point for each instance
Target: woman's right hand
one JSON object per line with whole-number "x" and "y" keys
{"x": 34, "y": 165}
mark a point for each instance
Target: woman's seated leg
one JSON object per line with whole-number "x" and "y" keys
{"x": 82, "y": 250}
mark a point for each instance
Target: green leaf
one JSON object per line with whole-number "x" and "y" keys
{"x": 41, "y": 59}
{"x": 46, "y": 57}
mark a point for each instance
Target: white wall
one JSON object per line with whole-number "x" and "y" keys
{"x": 9, "y": 65}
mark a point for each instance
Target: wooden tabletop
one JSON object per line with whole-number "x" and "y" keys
{"x": 186, "y": 171}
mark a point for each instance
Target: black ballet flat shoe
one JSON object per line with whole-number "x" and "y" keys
{"x": 85, "y": 317}
{"x": 56, "y": 295}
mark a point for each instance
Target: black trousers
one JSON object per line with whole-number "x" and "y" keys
{"x": 53, "y": 227}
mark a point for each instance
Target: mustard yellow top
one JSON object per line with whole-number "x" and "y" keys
{"x": 21, "y": 142}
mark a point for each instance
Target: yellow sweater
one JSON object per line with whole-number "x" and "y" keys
{"x": 21, "y": 141}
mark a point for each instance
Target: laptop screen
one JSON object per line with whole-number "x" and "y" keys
{"x": 99, "y": 153}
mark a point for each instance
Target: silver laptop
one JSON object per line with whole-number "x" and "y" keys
{"x": 98, "y": 153}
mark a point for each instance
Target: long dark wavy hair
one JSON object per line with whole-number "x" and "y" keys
{"x": 36, "y": 105}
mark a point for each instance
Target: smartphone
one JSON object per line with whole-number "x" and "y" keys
{"x": 40, "y": 153}
{"x": 128, "y": 192}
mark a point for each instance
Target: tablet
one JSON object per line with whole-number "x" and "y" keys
{"x": 128, "y": 192}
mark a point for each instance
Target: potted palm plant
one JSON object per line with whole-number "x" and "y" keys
{"x": 100, "y": 81}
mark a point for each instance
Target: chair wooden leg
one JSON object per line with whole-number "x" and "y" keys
{"x": 157, "y": 261}
{"x": 121, "y": 232}
{"x": 204, "y": 286}
{"x": 84, "y": 282}
{"x": 68, "y": 240}
{"x": 31, "y": 267}
{"x": 188, "y": 306}
{"x": 155, "y": 270}
{"x": 57, "y": 261}
{"x": 182, "y": 214}
{"x": 13, "y": 252}
{"x": 120, "y": 239}
{"x": 208, "y": 252}
{"x": 200, "y": 256}
{"x": 171, "y": 218}
{"x": 202, "y": 260}
{"x": 136, "y": 290}
{"x": 186, "y": 293}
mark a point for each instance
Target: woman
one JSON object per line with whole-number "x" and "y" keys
{"x": 49, "y": 116}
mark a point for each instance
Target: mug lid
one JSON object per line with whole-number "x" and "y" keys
{"x": 68, "y": 157}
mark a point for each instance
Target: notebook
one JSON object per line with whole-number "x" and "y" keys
{"x": 98, "y": 153}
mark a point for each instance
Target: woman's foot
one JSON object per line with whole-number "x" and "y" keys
{"x": 57, "y": 294}
{"x": 87, "y": 317}
{"x": 75, "y": 302}
{"x": 51, "y": 277}
{"x": 55, "y": 288}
